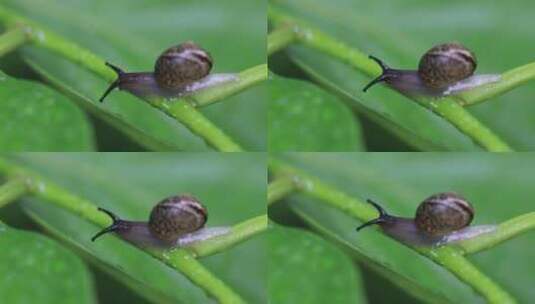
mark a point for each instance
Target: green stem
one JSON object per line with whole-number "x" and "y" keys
{"x": 509, "y": 80}
{"x": 239, "y": 233}
{"x": 445, "y": 107}
{"x": 12, "y": 190}
{"x": 467, "y": 272}
{"x": 318, "y": 40}
{"x": 12, "y": 39}
{"x": 314, "y": 187}
{"x": 466, "y": 123}
{"x": 185, "y": 114}
{"x": 202, "y": 277}
{"x": 197, "y": 123}
{"x": 504, "y": 232}
{"x": 246, "y": 79}
{"x": 41, "y": 37}
{"x": 448, "y": 256}
{"x": 180, "y": 259}
{"x": 279, "y": 188}
{"x": 280, "y": 38}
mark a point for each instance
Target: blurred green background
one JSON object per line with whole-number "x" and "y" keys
{"x": 499, "y": 186}
{"x": 32, "y": 266}
{"x": 131, "y": 34}
{"x": 399, "y": 32}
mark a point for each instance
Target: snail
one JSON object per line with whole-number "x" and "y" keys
{"x": 440, "y": 219}
{"x": 443, "y": 70}
{"x": 180, "y": 70}
{"x": 175, "y": 221}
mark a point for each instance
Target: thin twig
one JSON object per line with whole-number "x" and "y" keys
{"x": 197, "y": 124}
{"x": 245, "y": 80}
{"x": 12, "y": 190}
{"x": 509, "y": 80}
{"x": 279, "y": 188}
{"x": 13, "y": 39}
{"x": 467, "y": 272}
{"x": 280, "y": 38}
{"x": 239, "y": 233}
{"x": 184, "y": 261}
{"x": 504, "y": 232}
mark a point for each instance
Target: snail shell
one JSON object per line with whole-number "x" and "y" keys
{"x": 182, "y": 64}
{"x": 446, "y": 64}
{"x": 442, "y": 213}
{"x": 176, "y": 216}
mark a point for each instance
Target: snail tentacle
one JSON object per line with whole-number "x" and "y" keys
{"x": 114, "y": 84}
{"x": 383, "y": 215}
{"x": 384, "y": 74}
{"x": 113, "y": 227}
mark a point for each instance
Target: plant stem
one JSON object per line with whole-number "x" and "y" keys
{"x": 445, "y": 107}
{"x": 246, "y": 79}
{"x": 239, "y": 233}
{"x": 467, "y": 272}
{"x": 318, "y": 40}
{"x": 197, "y": 123}
{"x": 180, "y": 259}
{"x": 279, "y": 188}
{"x": 448, "y": 256}
{"x": 12, "y": 39}
{"x": 280, "y": 38}
{"x": 466, "y": 123}
{"x": 504, "y": 232}
{"x": 197, "y": 273}
{"x": 41, "y": 37}
{"x": 185, "y": 114}
{"x": 509, "y": 80}
{"x": 12, "y": 190}
{"x": 313, "y": 187}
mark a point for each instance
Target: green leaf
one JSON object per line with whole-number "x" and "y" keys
{"x": 306, "y": 269}
{"x": 497, "y": 185}
{"x": 303, "y": 117}
{"x": 399, "y": 34}
{"x": 132, "y": 36}
{"x": 130, "y": 184}
{"x": 36, "y": 118}
{"x": 35, "y": 268}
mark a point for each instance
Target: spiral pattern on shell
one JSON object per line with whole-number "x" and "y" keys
{"x": 176, "y": 216}
{"x": 442, "y": 213}
{"x": 446, "y": 64}
{"x": 182, "y": 64}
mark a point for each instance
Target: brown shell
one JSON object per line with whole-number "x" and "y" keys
{"x": 182, "y": 64}
{"x": 442, "y": 213}
{"x": 176, "y": 216}
{"x": 446, "y": 64}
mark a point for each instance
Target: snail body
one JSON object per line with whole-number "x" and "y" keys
{"x": 443, "y": 70}
{"x": 440, "y": 219}
{"x": 175, "y": 221}
{"x": 180, "y": 70}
